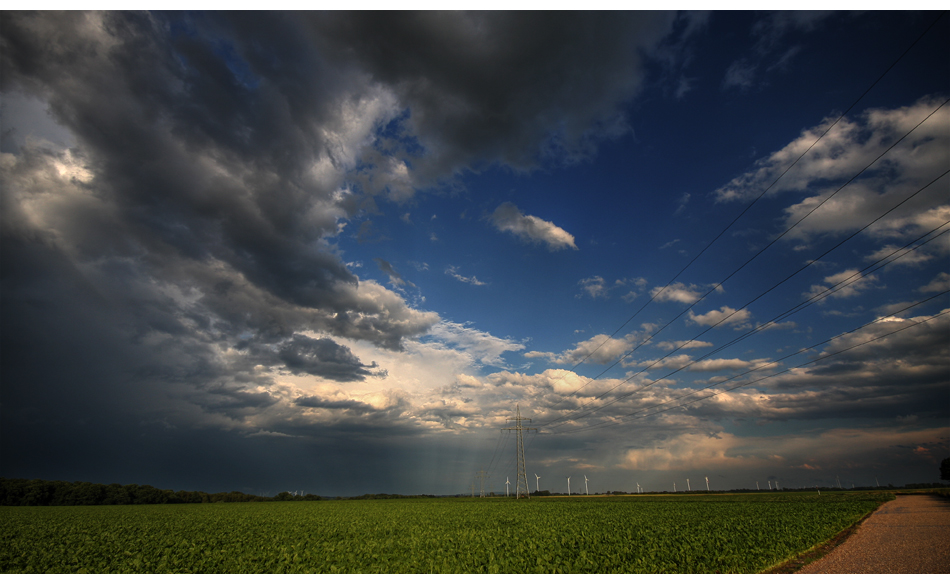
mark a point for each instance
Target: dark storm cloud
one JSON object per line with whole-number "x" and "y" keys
{"x": 193, "y": 168}
{"x": 160, "y": 272}
{"x": 202, "y": 144}
{"x": 155, "y": 135}
{"x": 233, "y": 402}
{"x": 322, "y": 357}
{"x": 201, "y": 135}
{"x": 516, "y": 87}
{"x": 345, "y": 404}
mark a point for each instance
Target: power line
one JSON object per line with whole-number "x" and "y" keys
{"x": 786, "y": 370}
{"x": 761, "y": 251}
{"x": 758, "y": 329}
{"x": 749, "y": 206}
{"x": 752, "y": 370}
{"x": 790, "y": 311}
{"x": 745, "y": 384}
{"x": 868, "y": 270}
{"x": 498, "y": 446}
{"x": 814, "y": 299}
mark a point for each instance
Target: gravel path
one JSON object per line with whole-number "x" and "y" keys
{"x": 910, "y": 535}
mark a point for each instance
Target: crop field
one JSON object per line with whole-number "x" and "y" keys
{"x": 745, "y": 533}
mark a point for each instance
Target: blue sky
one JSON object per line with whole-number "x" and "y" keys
{"x": 334, "y": 252}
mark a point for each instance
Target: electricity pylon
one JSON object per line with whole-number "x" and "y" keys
{"x": 482, "y": 475}
{"x": 521, "y": 484}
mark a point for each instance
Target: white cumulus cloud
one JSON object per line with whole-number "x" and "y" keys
{"x": 841, "y": 155}
{"x": 735, "y": 317}
{"x": 601, "y": 349}
{"x": 677, "y": 292}
{"x": 850, "y": 282}
{"x": 508, "y": 217}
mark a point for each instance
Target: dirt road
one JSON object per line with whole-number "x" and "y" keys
{"x": 910, "y": 535}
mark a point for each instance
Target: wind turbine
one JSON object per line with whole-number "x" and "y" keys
{"x": 707, "y": 484}
{"x": 756, "y": 485}
{"x": 687, "y": 485}
{"x": 506, "y": 486}
{"x": 585, "y": 486}
{"x": 674, "y": 486}
{"x": 638, "y": 488}
{"x": 537, "y": 483}
{"x": 569, "y": 486}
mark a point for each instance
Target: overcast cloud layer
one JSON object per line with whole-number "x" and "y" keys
{"x": 243, "y": 251}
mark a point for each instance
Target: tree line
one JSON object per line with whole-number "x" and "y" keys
{"x": 38, "y": 492}
{"x": 387, "y": 496}
{"x": 19, "y": 492}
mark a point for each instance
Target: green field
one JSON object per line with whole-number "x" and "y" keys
{"x": 733, "y": 533}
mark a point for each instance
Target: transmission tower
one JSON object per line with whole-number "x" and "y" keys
{"x": 521, "y": 487}
{"x": 481, "y": 475}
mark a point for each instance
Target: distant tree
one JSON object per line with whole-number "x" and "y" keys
{"x": 37, "y": 492}
{"x": 87, "y": 494}
{"x": 146, "y": 494}
{"x": 116, "y": 495}
{"x": 945, "y": 469}
{"x": 189, "y": 496}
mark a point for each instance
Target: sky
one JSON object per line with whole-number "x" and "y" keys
{"x": 337, "y": 253}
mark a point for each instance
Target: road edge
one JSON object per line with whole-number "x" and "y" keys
{"x": 820, "y": 550}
